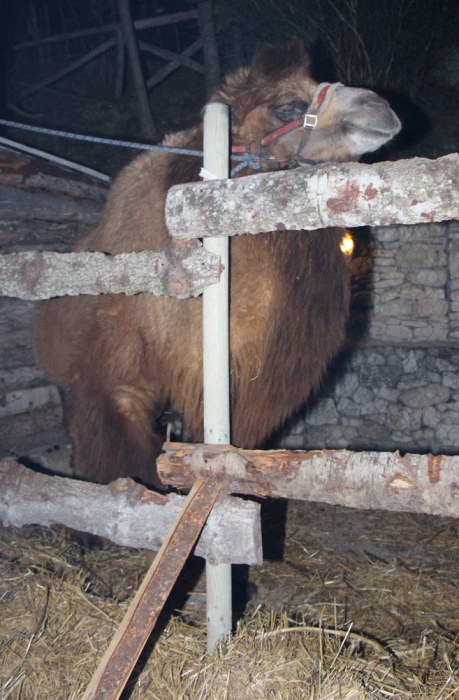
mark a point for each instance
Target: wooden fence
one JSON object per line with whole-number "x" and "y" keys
{"x": 173, "y": 59}
{"x": 332, "y": 194}
{"x": 124, "y": 39}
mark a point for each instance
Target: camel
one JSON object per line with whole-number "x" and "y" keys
{"x": 122, "y": 362}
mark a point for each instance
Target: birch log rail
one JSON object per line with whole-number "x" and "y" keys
{"x": 332, "y": 194}
{"x": 369, "y": 480}
{"x": 180, "y": 271}
{"x": 329, "y": 194}
{"x": 126, "y": 513}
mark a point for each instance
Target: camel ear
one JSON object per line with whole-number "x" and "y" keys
{"x": 280, "y": 59}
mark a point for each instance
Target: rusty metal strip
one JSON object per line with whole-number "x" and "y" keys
{"x": 130, "y": 638}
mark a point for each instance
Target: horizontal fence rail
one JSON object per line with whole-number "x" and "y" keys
{"x": 113, "y": 27}
{"x": 179, "y": 271}
{"x": 174, "y": 59}
{"x": 138, "y": 517}
{"x": 331, "y": 194}
{"x": 344, "y": 194}
{"x": 369, "y": 480}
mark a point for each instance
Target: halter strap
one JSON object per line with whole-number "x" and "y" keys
{"x": 307, "y": 121}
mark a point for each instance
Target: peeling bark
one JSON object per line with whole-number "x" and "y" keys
{"x": 126, "y": 513}
{"x": 179, "y": 270}
{"x": 331, "y": 194}
{"x": 369, "y": 480}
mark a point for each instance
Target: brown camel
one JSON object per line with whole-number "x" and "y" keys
{"x": 121, "y": 362}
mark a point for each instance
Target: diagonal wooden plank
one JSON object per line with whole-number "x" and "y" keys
{"x": 69, "y": 69}
{"x": 146, "y": 23}
{"x": 173, "y": 65}
{"x": 171, "y": 56}
{"x": 130, "y": 638}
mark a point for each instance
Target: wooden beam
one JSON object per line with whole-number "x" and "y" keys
{"x": 120, "y": 63}
{"x": 160, "y": 21}
{"x": 20, "y": 173}
{"x": 179, "y": 58}
{"x": 330, "y": 194}
{"x": 149, "y": 131}
{"x": 21, "y": 203}
{"x": 179, "y": 271}
{"x": 138, "y": 517}
{"x": 369, "y": 480}
{"x": 130, "y": 638}
{"x": 164, "y": 72}
{"x": 210, "y": 48}
{"x": 71, "y": 68}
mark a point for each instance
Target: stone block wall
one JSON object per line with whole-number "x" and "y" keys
{"x": 396, "y": 384}
{"x": 410, "y": 277}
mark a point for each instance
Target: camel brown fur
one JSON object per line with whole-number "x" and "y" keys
{"x": 122, "y": 361}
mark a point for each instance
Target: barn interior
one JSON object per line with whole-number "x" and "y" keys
{"x": 348, "y": 603}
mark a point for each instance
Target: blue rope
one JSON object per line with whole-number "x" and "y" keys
{"x": 98, "y": 139}
{"x": 247, "y": 160}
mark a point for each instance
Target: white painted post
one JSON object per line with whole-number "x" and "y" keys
{"x": 216, "y": 363}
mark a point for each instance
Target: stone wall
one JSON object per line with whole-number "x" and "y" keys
{"x": 396, "y": 384}
{"x": 410, "y": 277}
{"x": 42, "y": 207}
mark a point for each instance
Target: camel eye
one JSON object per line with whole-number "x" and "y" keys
{"x": 293, "y": 109}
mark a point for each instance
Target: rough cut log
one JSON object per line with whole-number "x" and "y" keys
{"x": 332, "y": 194}
{"x": 126, "y": 513}
{"x": 23, "y": 203}
{"x": 25, "y": 176}
{"x": 179, "y": 270}
{"x": 370, "y": 480}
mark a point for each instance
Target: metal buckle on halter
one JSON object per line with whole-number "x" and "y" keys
{"x": 310, "y": 120}
{"x": 254, "y": 148}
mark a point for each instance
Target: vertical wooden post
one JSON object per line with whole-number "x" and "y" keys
{"x": 209, "y": 45}
{"x": 216, "y": 363}
{"x": 120, "y": 56}
{"x": 149, "y": 131}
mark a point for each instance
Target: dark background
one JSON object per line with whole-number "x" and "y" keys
{"x": 407, "y": 50}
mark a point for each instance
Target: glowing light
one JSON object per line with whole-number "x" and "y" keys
{"x": 347, "y": 243}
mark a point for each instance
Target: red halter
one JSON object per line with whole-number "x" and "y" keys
{"x": 308, "y": 121}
